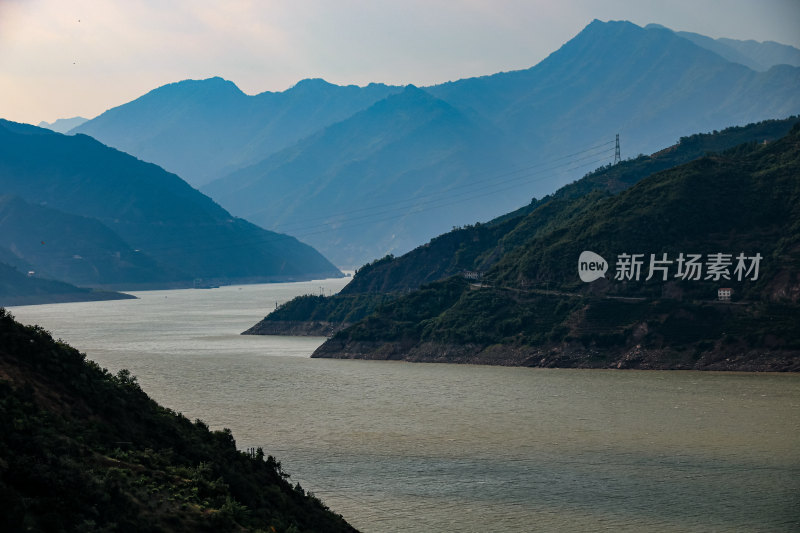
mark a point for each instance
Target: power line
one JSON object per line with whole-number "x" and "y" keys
{"x": 395, "y": 203}
{"x": 422, "y": 206}
{"x": 423, "y": 203}
{"x": 483, "y": 184}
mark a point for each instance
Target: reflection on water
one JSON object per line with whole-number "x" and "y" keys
{"x": 425, "y": 447}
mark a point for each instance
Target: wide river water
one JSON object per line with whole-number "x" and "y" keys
{"x": 408, "y": 447}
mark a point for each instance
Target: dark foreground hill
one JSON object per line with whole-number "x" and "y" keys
{"x": 84, "y": 450}
{"x": 121, "y": 209}
{"x": 735, "y": 215}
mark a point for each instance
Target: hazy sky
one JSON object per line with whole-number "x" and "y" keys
{"x": 61, "y": 58}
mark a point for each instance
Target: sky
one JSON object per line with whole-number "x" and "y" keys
{"x": 65, "y": 58}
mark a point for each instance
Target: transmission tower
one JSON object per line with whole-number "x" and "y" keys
{"x": 617, "y": 158}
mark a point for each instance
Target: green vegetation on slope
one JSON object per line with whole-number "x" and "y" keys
{"x": 72, "y": 248}
{"x": 531, "y": 328}
{"x": 337, "y": 308}
{"x": 537, "y": 310}
{"x": 744, "y": 200}
{"x": 479, "y": 247}
{"x": 84, "y": 450}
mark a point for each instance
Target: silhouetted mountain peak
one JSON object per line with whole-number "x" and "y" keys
{"x": 201, "y": 129}
{"x": 416, "y": 106}
{"x": 63, "y": 125}
{"x": 411, "y": 94}
{"x": 616, "y": 40}
{"x": 211, "y": 87}
{"x": 312, "y": 83}
{"x": 214, "y": 82}
{"x": 164, "y": 99}
{"x": 601, "y": 26}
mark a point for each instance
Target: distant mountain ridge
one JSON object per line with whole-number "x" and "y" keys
{"x": 147, "y": 226}
{"x": 360, "y": 162}
{"x": 756, "y": 55}
{"x": 63, "y": 125}
{"x": 650, "y": 85}
{"x": 202, "y": 129}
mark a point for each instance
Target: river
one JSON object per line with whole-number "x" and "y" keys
{"x": 405, "y": 447}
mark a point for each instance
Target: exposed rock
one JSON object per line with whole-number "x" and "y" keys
{"x": 296, "y": 328}
{"x": 568, "y": 355}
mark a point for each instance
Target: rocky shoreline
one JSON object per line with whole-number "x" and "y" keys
{"x": 568, "y": 355}
{"x": 296, "y": 328}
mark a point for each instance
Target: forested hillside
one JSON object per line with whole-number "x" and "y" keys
{"x": 477, "y": 248}
{"x": 736, "y": 212}
{"x": 84, "y": 450}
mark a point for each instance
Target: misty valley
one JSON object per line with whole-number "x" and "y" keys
{"x": 563, "y": 298}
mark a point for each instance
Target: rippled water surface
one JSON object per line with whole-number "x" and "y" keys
{"x": 440, "y": 448}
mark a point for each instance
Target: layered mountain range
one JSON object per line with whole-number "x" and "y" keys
{"x": 203, "y": 129}
{"x": 359, "y": 172}
{"x": 756, "y": 55}
{"x": 63, "y": 125}
{"x": 78, "y": 211}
